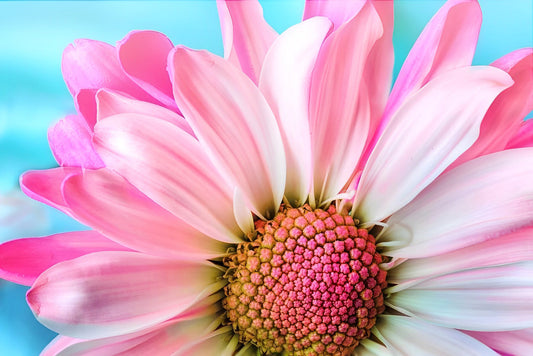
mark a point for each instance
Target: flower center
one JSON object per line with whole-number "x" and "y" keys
{"x": 309, "y": 283}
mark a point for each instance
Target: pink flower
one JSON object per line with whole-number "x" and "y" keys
{"x": 281, "y": 200}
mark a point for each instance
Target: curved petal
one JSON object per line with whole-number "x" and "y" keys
{"x": 71, "y": 143}
{"x": 58, "y": 344}
{"x": 479, "y": 200}
{"x": 505, "y": 115}
{"x": 23, "y": 260}
{"x": 85, "y": 103}
{"x": 285, "y": 84}
{"x": 110, "y": 204}
{"x": 432, "y": 128}
{"x": 143, "y": 56}
{"x": 112, "y": 293}
{"x": 368, "y": 347}
{"x": 168, "y": 165}
{"x": 234, "y": 122}
{"x": 246, "y": 35}
{"x": 221, "y": 342}
{"x": 484, "y": 299}
{"x": 517, "y": 343}
{"x": 339, "y": 109}
{"x": 339, "y": 12}
{"x": 524, "y": 136}
{"x": 398, "y": 331}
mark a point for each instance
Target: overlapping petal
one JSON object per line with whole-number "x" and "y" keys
{"x": 524, "y": 136}
{"x": 516, "y": 343}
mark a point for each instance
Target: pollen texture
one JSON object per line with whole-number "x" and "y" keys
{"x": 309, "y": 284}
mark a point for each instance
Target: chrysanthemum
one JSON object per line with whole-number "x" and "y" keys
{"x": 280, "y": 200}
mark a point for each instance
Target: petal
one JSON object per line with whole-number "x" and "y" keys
{"x": 58, "y": 344}
{"x": 483, "y": 299}
{"x": 108, "y": 203}
{"x": 168, "y": 165}
{"x": 398, "y": 331}
{"x": 479, "y": 200}
{"x": 433, "y": 127}
{"x": 234, "y": 122}
{"x": 339, "y": 109}
{"x": 339, "y": 12}
{"x": 246, "y": 35}
{"x": 517, "y": 343}
{"x": 447, "y": 42}
{"x": 143, "y": 56}
{"x": 221, "y": 342}
{"x": 243, "y": 215}
{"x": 71, "y": 143}
{"x": 23, "y": 260}
{"x": 510, "y": 248}
{"x": 85, "y": 103}
{"x": 285, "y": 84}
{"x": 505, "y": 115}
{"x": 368, "y": 347}
{"x": 524, "y": 136}
{"x": 112, "y": 293}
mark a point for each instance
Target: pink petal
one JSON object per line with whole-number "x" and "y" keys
{"x": 110, "y": 103}
{"x": 85, "y": 103}
{"x": 220, "y": 342}
{"x": 110, "y": 204}
{"x": 510, "y": 248}
{"x": 448, "y": 42}
{"x": 339, "y": 12}
{"x": 112, "y": 293}
{"x": 246, "y": 35}
{"x": 143, "y": 56}
{"x": 71, "y": 143}
{"x": 285, "y": 84}
{"x": 524, "y": 136}
{"x": 169, "y": 166}
{"x": 483, "y": 299}
{"x": 234, "y": 122}
{"x": 517, "y": 343}
{"x": 339, "y": 109}
{"x": 505, "y": 115}
{"x": 433, "y": 127}
{"x": 479, "y": 200}
{"x": 23, "y": 260}
{"x": 58, "y": 344}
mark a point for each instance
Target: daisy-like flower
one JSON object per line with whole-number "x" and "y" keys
{"x": 281, "y": 201}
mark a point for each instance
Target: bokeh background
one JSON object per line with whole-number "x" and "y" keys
{"x": 33, "y": 35}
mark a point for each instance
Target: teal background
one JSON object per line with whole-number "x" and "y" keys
{"x": 33, "y": 35}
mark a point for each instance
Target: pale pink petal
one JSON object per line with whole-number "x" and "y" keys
{"x": 243, "y": 215}
{"x": 221, "y": 342}
{"x": 338, "y": 11}
{"x": 110, "y": 103}
{"x": 246, "y": 35}
{"x": 339, "y": 109}
{"x": 106, "y": 294}
{"x": 58, "y": 344}
{"x": 433, "y": 127}
{"x": 447, "y": 42}
{"x": 233, "y": 121}
{"x": 143, "y": 56}
{"x": 483, "y": 299}
{"x": 23, "y": 260}
{"x": 414, "y": 337}
{"x": 505, "y": 115}
{"x": 71, "y": 143}
{"x": 524, "y": 136}
{"x": 285, "y": 84}
{"x": 510, "y": 248}
{"x": 108, "y": 203}
{"x": 479, "y": 200}
{"x": 516, "y": 343}
{"x": 169, "y": 166}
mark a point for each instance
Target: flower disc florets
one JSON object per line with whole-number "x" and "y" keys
{"x": 309, "y": 284}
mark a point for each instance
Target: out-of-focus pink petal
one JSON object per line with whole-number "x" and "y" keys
{"x": 487, "y": 197}
{"x": 85, "y": 103}
{"x": 143, "y": 56}
{"x": 71, "y": 143}
{"x": 106, "y": 294}
{"x": 110, "y": 103}
{"x": 339, "y": 109}
{"x": 510, "y": 248}
{"x": 221, "y": 342}
{"x": 233, "y": 121}
{"x": 484, "y": 299}
{"x": 524, "y": 136}
{"x": 432, "y": 128}
{"x": 169, "y": 166}
{"x": 246, "y": 35}
{"x": 505, "y": 115}
{"x": 338, "y": 12}
{"x": 516, "y": 343}
{"x": 398, "y": 332}
{"x": 447, "y": 42}
{"x": 23, "y": 260}
{"x": 285, "y": 84}
{"x": 110, "y": 204}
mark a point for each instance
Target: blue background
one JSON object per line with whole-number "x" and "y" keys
{"x": 33, "y": 35}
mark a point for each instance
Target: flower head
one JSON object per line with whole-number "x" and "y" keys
{"x": 281, "y": 201}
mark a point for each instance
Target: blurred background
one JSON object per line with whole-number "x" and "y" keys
{"x": 33, "y": 35}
